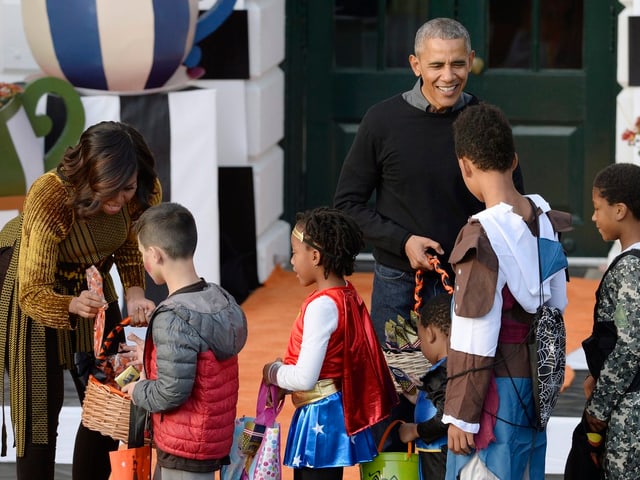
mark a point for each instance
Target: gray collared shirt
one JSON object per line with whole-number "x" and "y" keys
{"x": 415, "y": 98}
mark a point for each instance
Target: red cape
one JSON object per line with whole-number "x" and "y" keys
{"x": 368, "y": 391}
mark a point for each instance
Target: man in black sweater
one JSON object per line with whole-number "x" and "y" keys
{"x": 404, "y": 153}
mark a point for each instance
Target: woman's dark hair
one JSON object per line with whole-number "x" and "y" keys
{"x": 100, "y": 165}
{"x": 336, "y": 236}
{"x": 619, "y": 183}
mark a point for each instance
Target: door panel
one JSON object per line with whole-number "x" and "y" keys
{"x": 552, "y": 174}
{"x": 549, "y": 64}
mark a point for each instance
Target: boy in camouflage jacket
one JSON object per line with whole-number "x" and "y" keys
{"x": 613, "y": 350}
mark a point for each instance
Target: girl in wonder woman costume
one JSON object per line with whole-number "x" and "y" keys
{"x": 334, "y": 367}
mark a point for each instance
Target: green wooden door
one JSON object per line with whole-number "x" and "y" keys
{"x": 549, "y": 64}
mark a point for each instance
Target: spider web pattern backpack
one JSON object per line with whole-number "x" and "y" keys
{"x": 548, "y": 358}
{"x": 548, "y": 337}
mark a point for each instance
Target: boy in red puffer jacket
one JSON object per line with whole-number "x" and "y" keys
{"x": 190, "y": 377}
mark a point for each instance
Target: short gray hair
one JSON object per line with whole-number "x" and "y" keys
{"x": 444, "y": 29}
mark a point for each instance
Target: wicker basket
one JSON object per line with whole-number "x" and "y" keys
{"x": 412, "y": 363}
{"x": 106, "y": 409}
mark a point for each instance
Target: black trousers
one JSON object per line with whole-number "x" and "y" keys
{"x": 334, "y": 473}
{"x": 91, "y": 450}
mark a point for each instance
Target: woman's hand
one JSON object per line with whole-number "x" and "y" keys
{"x": 139, "y": 308}
{"x": 87, "y": 304}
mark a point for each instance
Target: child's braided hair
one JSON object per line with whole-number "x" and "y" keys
{"x": 336, "y": 236}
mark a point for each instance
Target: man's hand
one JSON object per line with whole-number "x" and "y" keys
{"x": 416, "y": 250}
{"x": 460, "y": 442}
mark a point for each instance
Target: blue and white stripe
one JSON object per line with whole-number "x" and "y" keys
{"x": 117, "y": 45}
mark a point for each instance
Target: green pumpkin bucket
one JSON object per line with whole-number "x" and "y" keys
{"x": 391, "y": 465}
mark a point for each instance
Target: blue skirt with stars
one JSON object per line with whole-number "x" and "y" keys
{"x": 318, "y": 438}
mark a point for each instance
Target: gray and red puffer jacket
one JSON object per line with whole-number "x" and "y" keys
{"x": 191, "y": 364}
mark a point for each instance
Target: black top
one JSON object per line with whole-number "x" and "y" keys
{"x": 406, "y": 156}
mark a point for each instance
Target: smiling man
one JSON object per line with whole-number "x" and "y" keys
{"x": 403, "y": 152}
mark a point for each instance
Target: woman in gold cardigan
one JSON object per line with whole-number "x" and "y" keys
{"x": 75, "y": 216}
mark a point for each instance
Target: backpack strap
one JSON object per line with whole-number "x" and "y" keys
{"x": 634, "y": 251}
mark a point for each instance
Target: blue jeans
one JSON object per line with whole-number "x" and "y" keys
{"x": 393, "y": 295}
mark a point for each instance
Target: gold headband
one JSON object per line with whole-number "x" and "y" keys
{"x": 300, "y": 236}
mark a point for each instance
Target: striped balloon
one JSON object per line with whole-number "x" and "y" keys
{"x": 118, "y": 45}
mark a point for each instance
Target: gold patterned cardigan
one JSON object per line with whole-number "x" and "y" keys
{"x": 50, "y": 257}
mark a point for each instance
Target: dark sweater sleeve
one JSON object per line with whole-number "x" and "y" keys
{"x": 359, "y": 178}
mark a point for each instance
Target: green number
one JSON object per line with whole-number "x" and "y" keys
{"x": 42, "y": 124}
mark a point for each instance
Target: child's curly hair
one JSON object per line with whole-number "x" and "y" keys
{"x": 436, "y": 311}
{"x": 618, "y": 183}
{"x": 335, "y": 235}
{"x": 483, "y": 135}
